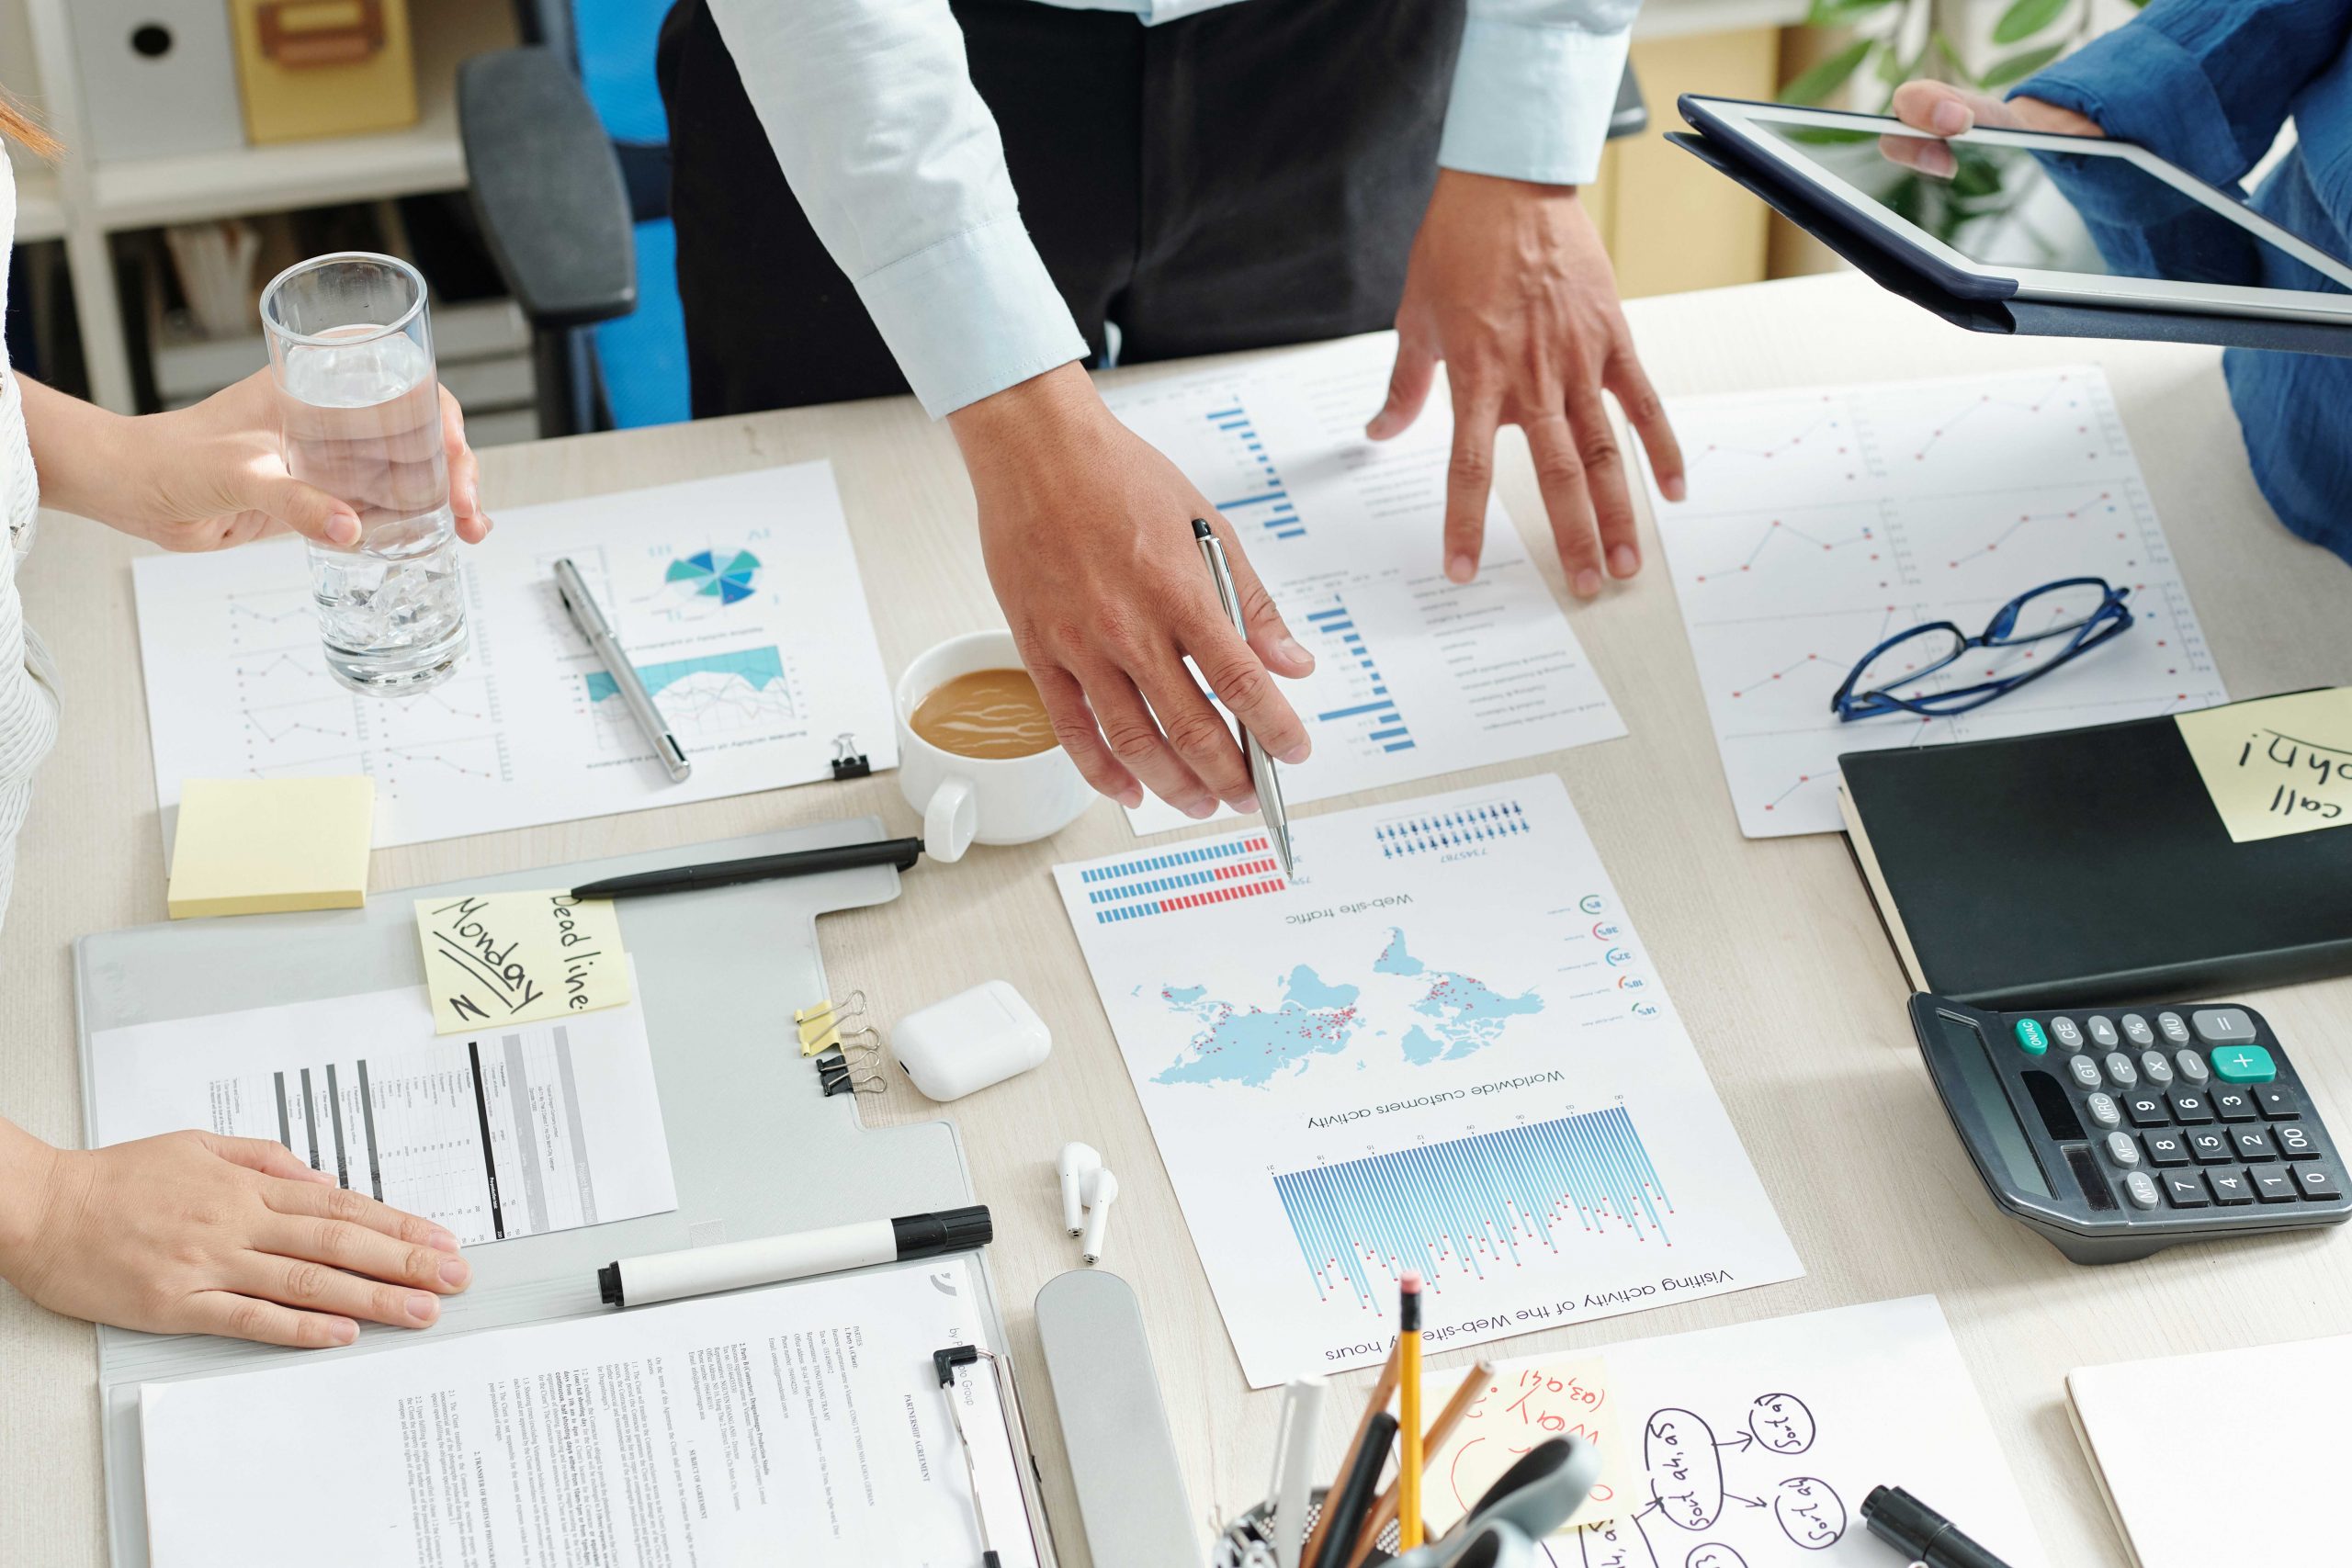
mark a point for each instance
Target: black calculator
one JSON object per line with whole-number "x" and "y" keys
{"x": 2121, "y": 1131}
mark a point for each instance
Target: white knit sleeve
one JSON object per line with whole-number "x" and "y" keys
{"x": 28, "y": 680}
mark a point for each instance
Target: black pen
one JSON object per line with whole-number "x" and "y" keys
{"x": 1925, "y": 1537}
{"x": 899, "y": 853}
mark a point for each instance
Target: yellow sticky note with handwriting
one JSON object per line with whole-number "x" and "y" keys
{"x": 1524, "y": 1403}
{"x": 2277, "y": 765}
{"x": 494, "y": 958}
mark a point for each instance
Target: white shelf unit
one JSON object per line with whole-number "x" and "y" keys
{"x": 83, "y": 202}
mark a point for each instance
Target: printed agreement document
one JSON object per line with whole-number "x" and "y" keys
{"x": 801, "y": 1425}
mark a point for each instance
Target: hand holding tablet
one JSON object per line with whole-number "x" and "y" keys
{"x": 2021, "y": 226}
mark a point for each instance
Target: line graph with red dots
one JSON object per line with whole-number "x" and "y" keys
{"x": 238, "y": 687}
{"x": 1822, "y": 520}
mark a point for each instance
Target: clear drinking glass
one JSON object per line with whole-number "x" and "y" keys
{"x": 351, "y": 352}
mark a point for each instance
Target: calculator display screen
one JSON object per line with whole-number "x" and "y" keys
{"x": 2009, "y": 1145}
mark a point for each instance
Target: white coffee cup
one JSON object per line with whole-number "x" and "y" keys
{"x": 986, "y": 800}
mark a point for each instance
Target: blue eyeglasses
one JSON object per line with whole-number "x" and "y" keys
{"x": 2084, "y": 611}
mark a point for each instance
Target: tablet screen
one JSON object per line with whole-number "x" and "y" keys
{"x": 2012, "y": 206}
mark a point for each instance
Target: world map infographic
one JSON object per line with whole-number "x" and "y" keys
{"x": 1439, "y": 1048}
{"x": 1449, "y": 1015}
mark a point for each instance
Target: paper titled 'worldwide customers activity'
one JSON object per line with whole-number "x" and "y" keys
{"x": 1442, "y": 1047}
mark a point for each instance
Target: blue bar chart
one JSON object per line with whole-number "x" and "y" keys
{"x": 1259, "y": 501}
{"x": 1467, "y": 1208}
{"x": 1371, "y": 715}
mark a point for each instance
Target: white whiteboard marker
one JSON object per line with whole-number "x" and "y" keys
{"x": 731, "y": 1266}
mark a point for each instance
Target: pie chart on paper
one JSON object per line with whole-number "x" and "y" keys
{"x": 709, "y": 574}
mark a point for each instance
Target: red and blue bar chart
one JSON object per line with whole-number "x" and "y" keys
{"x": 1191, "y": 877}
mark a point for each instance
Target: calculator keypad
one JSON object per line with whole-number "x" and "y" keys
{"x": 2173, "y": 1130}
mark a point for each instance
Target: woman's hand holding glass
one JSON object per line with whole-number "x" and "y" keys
{"x": 214, "y": 474}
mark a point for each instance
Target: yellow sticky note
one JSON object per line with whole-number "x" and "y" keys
{"x": 2277, "y": 765}
{"x": 1524, "y": 1403}
{"x": 493, "y": 958}
{"x": 264, "y": 846}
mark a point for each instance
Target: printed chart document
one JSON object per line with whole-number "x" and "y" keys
{"x": 706, "y": 583}
{"x": 514, "y": 1130}
{"x": 1443, "y": 1048}
{"x": 1753, "y": 1446}
{"x": 1415, "y": 675}
{"x": 1823, "y": 520}
{"x": 799, "y": 1424}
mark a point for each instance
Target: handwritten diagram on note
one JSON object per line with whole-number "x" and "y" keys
{"x": 1753, "y": 1446}
{"x": 498, "y": 958}
{"x": 1524, "y": 1404}
{"x": 2276, "y": 766}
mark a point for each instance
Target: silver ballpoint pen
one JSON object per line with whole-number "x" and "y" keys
{"x": 1262, "y": 765}
{"x": 573, "y": 589}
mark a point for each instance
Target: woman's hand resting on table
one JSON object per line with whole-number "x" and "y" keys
{"x": 214, "y": 474}
{"x": 1946, "y": 110}
{"x": 192, "y": 1233}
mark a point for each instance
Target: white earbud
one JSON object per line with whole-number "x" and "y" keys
{"x": 1101, "y": 1188}
{"x": 1078, "y": 1165}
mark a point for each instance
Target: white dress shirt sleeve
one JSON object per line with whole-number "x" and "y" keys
{"x": 1535, "y": 87}
{"x": 870, "y": 106}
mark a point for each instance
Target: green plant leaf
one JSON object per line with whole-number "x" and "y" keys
{"x": 1826, "y": 135}
{"x": 2027, "y": 18}
{"x": 1837, "y": 13}
{"x": 2019, "y": 66}
{"x": 1817, "y": 83}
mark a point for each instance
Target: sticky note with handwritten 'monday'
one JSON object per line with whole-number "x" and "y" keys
{"x": 1524, "y": 1403}
{"x": 2277, "y": 766}
{"x": 494, "y": 958}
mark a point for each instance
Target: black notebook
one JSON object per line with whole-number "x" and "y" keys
{"x": 2086, "y": 866}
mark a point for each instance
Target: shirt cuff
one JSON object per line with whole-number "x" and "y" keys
{"x": 971, "y": 315}
{"x": 2141, "y": 86}
{"x": 1531, "y": 102}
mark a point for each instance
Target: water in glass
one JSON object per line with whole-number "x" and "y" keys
{"x": 363, "y": 421}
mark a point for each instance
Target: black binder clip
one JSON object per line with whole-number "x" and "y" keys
{"x": 849, "y": 762}
{"x": 837, "y": 1075}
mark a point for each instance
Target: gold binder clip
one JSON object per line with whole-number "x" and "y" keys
{"x": 828, "y": 1010}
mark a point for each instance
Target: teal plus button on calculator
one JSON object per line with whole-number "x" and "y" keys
{"x": 2188, "y": 1124}
{"x": 2243, "y": 1064}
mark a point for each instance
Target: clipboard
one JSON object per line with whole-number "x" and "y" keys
{"x": 756, "y": 1147}
{"x": 1984, "y": 304}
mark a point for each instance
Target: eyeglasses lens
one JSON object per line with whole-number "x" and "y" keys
{"x": 1900, "y": 668}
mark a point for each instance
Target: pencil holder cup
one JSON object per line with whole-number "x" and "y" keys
{"x": 1248, "y": 1541}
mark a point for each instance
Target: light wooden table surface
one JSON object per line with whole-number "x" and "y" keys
{"x": 1772, "y": 949}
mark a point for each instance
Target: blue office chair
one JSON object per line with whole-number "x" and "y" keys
{"x": 567, "y": 158}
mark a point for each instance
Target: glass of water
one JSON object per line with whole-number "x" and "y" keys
{"x": 351, "y": 351}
